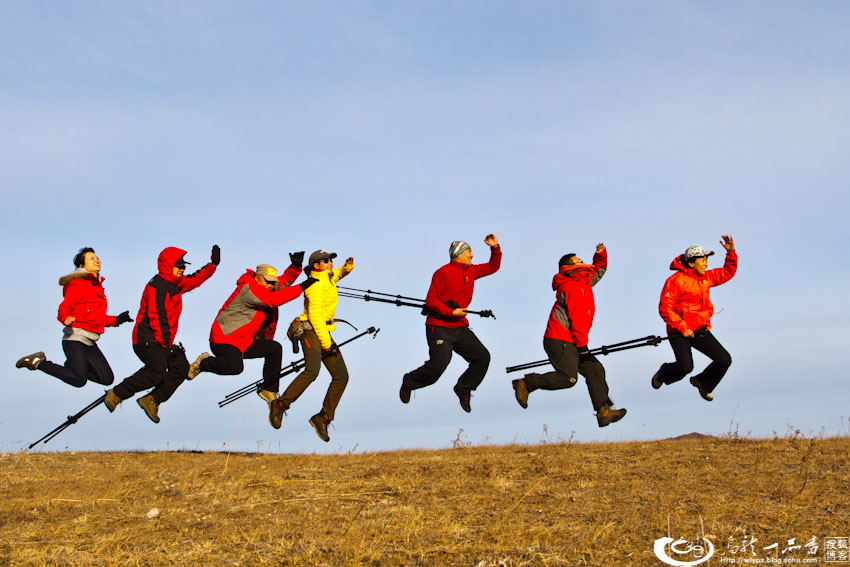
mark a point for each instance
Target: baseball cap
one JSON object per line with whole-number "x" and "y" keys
{"x": 269, "y": 273}
{"x": 320, "y": 254}
{"x": 696, "y": 251}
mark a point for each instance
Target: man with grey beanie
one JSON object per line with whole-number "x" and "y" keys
{"x": 447, "y": 328}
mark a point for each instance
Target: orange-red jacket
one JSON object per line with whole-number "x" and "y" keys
{"x": 85, "y": 300}
{"x": 572, "y": 315}
{"x": 685, "y": 304}
{"x": 162, "y": 299}
{"x": 252, "y": 309}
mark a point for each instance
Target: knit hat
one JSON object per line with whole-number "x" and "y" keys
{"x": 269, "y": 273}
{"x": 696, "y": 251}
{"x": 457, "y": 248}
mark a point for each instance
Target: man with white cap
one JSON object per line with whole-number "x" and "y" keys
{"x": 447, "y": 328}
{"x": 246, "y": 324}
{"x": 686, "y": 308}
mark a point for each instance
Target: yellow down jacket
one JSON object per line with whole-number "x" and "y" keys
{"x": 320, "y": 301}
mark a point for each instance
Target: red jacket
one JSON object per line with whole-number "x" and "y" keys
{"x": 455, "y": 282}
{"x": 684, "y": 301}
{"x": 84, "y": 299}
{"x": 572, "y": 315}
{"x": 252, "y": 309}
{"x": 162, "y": 299}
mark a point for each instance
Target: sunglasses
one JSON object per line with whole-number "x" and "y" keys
{"x": 327, "y": 260}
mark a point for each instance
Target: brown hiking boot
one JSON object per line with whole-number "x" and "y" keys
{"x": 276, "y": 410}
{"x": 111, "y": 400}
{"x": 148, "y": 404}
{"x": 706, "y": 395}
{"x": 31, "y": 361}
{"x": 320, "y": 424}
{"x": 267, "y": 395}
{"x": 464, "y": 398}
{"x": 521, "y": 392}
{"x": 195, "y": 367}
{"x": 607, "y": 415}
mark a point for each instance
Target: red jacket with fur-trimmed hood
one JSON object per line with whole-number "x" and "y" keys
{"x": 162, "y": 299}
{"x": 84, "y": 299}
{"x": 685, "y": 303}
{"x": 252, "y": 309}
{"x": 572, "y": 315}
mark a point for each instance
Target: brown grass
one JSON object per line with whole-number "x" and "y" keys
{"x": 549, "y": 504}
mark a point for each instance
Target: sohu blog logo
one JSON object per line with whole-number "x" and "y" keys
{"x": 688, "y": 552}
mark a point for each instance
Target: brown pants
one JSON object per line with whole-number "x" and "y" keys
{"x": 313, "y": 358}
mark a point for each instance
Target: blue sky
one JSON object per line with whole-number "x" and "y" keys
{"x": 385, "y": 130}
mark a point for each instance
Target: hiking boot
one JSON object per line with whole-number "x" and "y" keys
{"x": 276, "y": 410}
{"x": 111, "y": 400}
{"x": 195, "y": 367}
{"x": 607, "y": 414}
{"x": 267, "y": 395}
{"x": 148, "y": 404}
{"x": 320, "y": 424}
{"x": 464, "y": 398}
{"x": 521, "y": 392}
{"x": 656, "y": 379}
{"x": 404, "y": 392}
{"x": 32, "y": 361}
{"x": 706, "y": 395}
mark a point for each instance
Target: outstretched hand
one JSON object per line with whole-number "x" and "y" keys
{"x": 349, "y": 261}
{"x": 123, "y": 317}
{"x": 491, "y": 240}
{"x": 600, "y": 247}
{"x": 728, "y": 242}
{"x": 297, "y": 258}
{"x": 215, "y": 255}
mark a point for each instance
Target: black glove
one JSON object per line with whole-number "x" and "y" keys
{"x": 297, "y": 258}
{"x": 215, "y": 257}
{"x": 582, "y": 350}
{"x": 123, "y": 318}
{"x": 307, "y": 283}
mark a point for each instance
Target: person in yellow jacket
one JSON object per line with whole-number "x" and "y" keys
{"x": 317, "y": 323}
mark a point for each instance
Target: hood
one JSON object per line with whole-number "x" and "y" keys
{"x": 165, "y": 263}
{"x": 79, "y": 273}
{"x": 677, "y": 265}
{"x": 576, "y": 272}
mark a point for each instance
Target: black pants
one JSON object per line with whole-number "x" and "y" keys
{"x": 313, "y": 360}
{"x": 568, "y": 364}
{"x": 441, "y": 342}
{"x": 228, "y": 360}
{"x": 82, "y": 363}
{"x": 164, "y": 370}
{"x": 705, "y": 343}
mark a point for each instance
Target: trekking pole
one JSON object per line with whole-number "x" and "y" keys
{"x": 651, "y": 340}
{"x": 72, "y": 419}
{"x": 369, "y": 295}
{"x": 290, "y": 368}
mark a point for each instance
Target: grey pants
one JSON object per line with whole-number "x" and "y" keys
{"x": 568, "y": 364}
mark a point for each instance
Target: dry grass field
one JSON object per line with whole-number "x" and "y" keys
{"x": 547, "y": 504}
